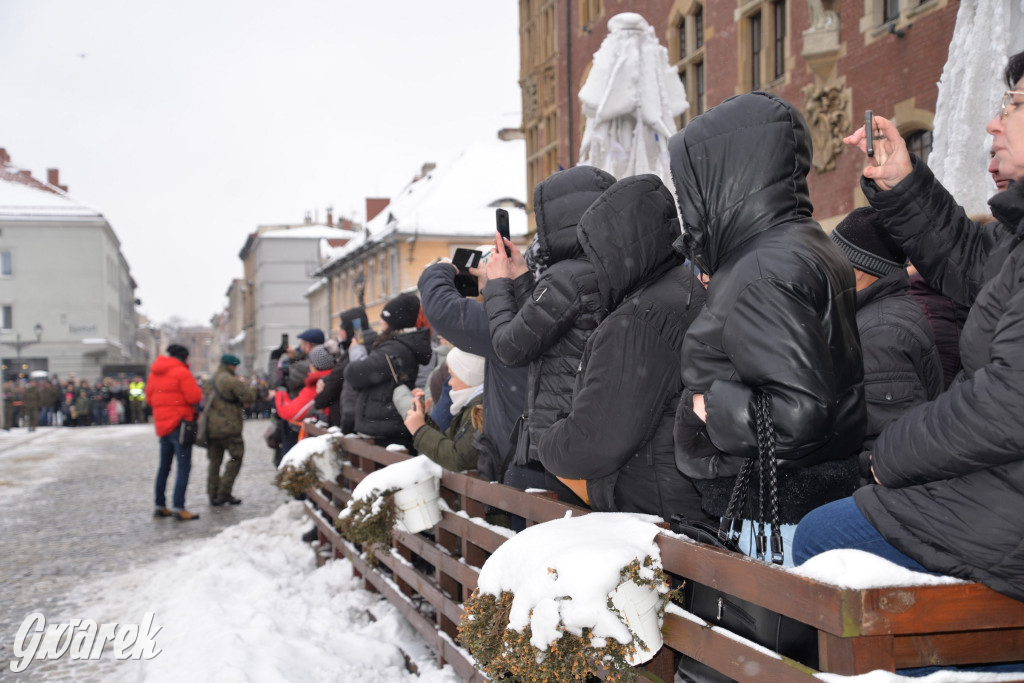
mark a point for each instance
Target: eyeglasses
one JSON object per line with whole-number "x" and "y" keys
{"x": 1008, "y": 102}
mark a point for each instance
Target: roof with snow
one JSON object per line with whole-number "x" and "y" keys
{"x": 456, "y": 199}
{"x": 307, "y": 232}
{"x": 25, "y": 197}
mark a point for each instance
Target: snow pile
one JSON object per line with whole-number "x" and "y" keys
{"x": 857, "y": 569}
{"x": 250, "y": 604}
{"x": 321, "y": 450}
{"x": 561, "y": 572}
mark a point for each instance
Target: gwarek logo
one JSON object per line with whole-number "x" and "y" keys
{"x": 82, "y": 639}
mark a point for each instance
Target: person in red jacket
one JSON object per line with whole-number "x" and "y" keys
{"x": 297, "y": 409}
{"x": 173, "y": 394}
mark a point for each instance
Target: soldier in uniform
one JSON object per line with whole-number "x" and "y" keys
{"x": 224, "y": 400}
{"x": 31, "y": 400}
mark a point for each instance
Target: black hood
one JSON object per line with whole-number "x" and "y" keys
{"x": 740, "y": 169}
{"x": 627, "y": 235}
{"x": 558, "y": 203}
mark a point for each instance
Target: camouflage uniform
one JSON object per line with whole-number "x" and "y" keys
{"x": 224, "y": 429}
{"x": 31, "y": 400}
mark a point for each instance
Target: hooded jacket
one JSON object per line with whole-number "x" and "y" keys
{"x": 902, "y": 367}
{"x": 172, "y": 392}
{"x": 618, "y": 433}
{"x": 373, "y": 378}
{"x": 781, "y": 303}
{"x": 463, "y": 322}
{"x": 952, "y": 470}
{"x": 546, "y": 321}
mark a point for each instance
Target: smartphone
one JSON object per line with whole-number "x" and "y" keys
{"x": 869, "y": 128}
{"x": 501, "y": 218}
{"x": 284, "y": 340}
{"x": 357, "y": 330}
{"x": 465, "y": 282}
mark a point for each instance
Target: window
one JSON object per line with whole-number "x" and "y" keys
{"x": 590, "y": 12}
{"x": 890, "y": 10}
{"x": 8, "y": 317}
{"x": 5, "y": 263}
{"x": 755, "y": 50}
{"x": 920, "y": 143}
{"x": 688, "y": 47}
{"x": 763, "y": 45}
{"x": 779, "y": 47}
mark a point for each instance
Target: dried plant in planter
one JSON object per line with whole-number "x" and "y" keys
{"x": 369, "y": 521}
{"x": 569, "y": 599}
{"x": 297, "y": 479}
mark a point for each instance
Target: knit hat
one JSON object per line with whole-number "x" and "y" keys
{"x": 230, "y": 359}
{"x": 178, "y": 351}
{"x": 466, "y": 366}
{"x": 865, "y": 241}
{"x": 321, "y": 358}
{"x": 313, "y": 336}
{"x": 402, "y": 311}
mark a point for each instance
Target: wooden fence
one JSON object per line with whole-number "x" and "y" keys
{"x": 428, "y": 576}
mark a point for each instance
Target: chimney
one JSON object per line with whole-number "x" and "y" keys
{"x": 374, "y": 205}
{"x": 309, "y": 218}
{"x": 53, "y": 178}
{"x": 427, "y": 168}
{"x": 5, "y": 158}
{"x": 330, "y": 217}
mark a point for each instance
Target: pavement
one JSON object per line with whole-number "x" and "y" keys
{"x": 76, "y": 504}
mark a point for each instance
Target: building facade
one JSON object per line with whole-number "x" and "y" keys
{"x": 831, "y": 58}
{"x": 447, "y": 206}
{"x": 278, "y": 265}
{"x": 67, "y": 297}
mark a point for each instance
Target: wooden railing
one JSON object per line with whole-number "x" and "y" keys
{"x": 428, "y": 576}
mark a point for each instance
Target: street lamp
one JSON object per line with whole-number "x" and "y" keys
{"x": 18, "y": 344}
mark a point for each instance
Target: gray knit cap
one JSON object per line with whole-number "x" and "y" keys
{"x": 865, "y": 241}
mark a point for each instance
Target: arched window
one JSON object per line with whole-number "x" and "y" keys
{"x": 920, "y": 143}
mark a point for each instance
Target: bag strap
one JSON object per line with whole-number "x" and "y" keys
{"x": 767, "y": 469}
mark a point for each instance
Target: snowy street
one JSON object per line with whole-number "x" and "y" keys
{"x": 236, "y": 594}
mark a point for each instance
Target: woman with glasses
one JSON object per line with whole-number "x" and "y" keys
{"x": 949, "y": 474}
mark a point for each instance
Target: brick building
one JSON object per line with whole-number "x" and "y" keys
{"x": 833, "y": 59}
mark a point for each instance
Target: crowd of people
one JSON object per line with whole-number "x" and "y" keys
{"x": 618, "y": 361}
{"x": 54, "y": 402}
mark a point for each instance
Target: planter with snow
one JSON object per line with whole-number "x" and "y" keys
{"x": 404, "y": 494}
{"x": 569, "y": 598}
{"x": 309, "y": 462}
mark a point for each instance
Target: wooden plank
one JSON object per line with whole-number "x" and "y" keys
{"x": 423, "y": 586}
{"x": 442, "y": 560}
{"x": 478, "y": 535}
{"x": 535, "y": 508}
{"x": 946, "y": 649}
{"x": 321, "y": 502}
{"x": 850, "y": 656}
{"x": 734, "y": 657}
{"x": 935, "y": 609}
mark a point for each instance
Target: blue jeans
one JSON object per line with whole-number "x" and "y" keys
{"x": 840, "y": 524}
{"x": 169, "y": 448}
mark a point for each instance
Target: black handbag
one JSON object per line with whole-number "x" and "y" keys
{"x": 770, "y": 629}
{"x": 187, "y": 432}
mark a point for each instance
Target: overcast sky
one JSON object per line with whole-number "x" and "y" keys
{"x": 190, "y": 122}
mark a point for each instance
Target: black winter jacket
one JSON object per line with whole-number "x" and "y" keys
{"x": 374, "y": 383}
{"x": 902, "y": 367}
{"x": 330, "y": 397}
{"x": 463, "y": 322}
{"x": 618, "y": 434}
{"x": 953, "y": 469}
{"x": 781, "y": 306}
{"x": 546, "y": 322}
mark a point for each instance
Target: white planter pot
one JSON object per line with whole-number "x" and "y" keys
{"x": 418, "y": 507}
{"x": 638, "y": 606}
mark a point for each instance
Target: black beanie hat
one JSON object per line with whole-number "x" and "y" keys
{"x": 402, "y": 311}
{"x": 865, "y": 241}
{"x": 178, "y": 351}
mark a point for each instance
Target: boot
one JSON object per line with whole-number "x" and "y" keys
{"x": 216, "y": 501}
{"x": 161, "y": 512}
{"x": 185, "y": 516}
{"x": 311, "y": 535}
{"x": 231, "y": 500}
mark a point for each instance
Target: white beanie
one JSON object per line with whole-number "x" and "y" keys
{"x": 466, "y": 366}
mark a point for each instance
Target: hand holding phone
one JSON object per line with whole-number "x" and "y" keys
{"x": 465, "y": 282}
{"x": 869, "y": 131}
{"x": 501, "y": 218}
{"x": 357, "y": 330}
